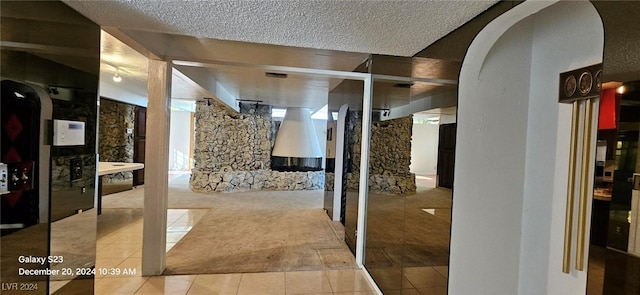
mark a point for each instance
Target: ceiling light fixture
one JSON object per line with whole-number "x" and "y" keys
{"x": 116, "y": 76}
{"x": 621, "y": 89}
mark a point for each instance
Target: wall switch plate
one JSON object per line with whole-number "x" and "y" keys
{"x": 76, "y": 169}
{"x": 4, "y": 178}
{"x": 129, "y": 130}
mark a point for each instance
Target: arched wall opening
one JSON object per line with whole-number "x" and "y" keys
{"x": 510, "y": 185}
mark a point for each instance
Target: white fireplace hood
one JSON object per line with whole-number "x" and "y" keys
{"x": 297, "y": 137}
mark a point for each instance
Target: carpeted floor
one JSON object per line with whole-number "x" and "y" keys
{"x": 250, "y": 232}
{"x": 264, "y": 240}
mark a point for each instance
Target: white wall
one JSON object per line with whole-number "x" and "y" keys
{"x": 424, "y": 148}
{"x": 512, "y": 150}
{"x": 489, "y": 170}
{"x": 321, "y": 132}
{"x": 567, "y": 36}
{"x": 180, "y": 141}
{"x": 447, "y": 119}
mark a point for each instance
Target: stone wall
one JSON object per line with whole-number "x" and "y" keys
{"x": 389, "y": 156}
{"x": 114, "y": 144}
{"x": 230, "y": 141}
{"x": 233, "y": 152}
{"x": 238, "y": 181}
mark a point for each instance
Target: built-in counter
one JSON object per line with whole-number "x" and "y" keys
{"x": 105, "y": 168}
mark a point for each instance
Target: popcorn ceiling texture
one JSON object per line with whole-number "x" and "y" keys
{"x": 400, "y": 28}
{"x": 114, "y": 144}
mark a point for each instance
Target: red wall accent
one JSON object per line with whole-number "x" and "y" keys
{"x": 608, "y": 108}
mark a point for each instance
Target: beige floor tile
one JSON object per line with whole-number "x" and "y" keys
{"x": 124, "y": 286}
{"x": 132, "y": 265}
{"x": 270, "y": 283}
{"x": 104, "y": 263}
{"x": 348, "y": 280}
{"x": 174, "y": 285}
{"x": 179, "y": 228}
{"x": 184, "y": 222}
{"x": 185, "y": 218}
{"x": 443, "y": 270}
{"x": 137, "y": 254}
{"x": 108, "y": 239}
{"x": 135, "y": 228}
{"x": 403, "y": 292}
{"x": 307, "y": 282}
{"x": 129, "y": 238}
{"x": 55, "y": 285}
{"x": 390, "y": 278}
{"x": 425, "y": 277}
{"x": 218, "y": 284}
{"x": 356, "y": 293}
{"x": 118, "y": 251}
{"x": 174, "y": 237}
{"x": 173, "y": 218}
{"x": 100, "y": 246}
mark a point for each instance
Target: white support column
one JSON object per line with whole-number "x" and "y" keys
{"x": 156, "y": 168}
{"x": 364, "y": 171}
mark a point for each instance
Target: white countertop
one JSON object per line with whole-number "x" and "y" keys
{"x": 105, "y": 168}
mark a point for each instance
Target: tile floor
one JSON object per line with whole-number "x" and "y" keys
{"x": 119, "y": 246}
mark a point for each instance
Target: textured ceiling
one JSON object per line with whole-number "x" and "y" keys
{"x": 400, "y": 28}
{"x": 330, "y": 34}
{"x": 132, "y": 67}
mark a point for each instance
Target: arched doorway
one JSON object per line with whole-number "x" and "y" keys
{"x": 512, "y": 150}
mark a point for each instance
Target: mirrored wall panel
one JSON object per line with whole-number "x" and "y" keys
{"x": 410, "y": 174}
{"x": 343, "y": 144}
{"x": 50, "y": 60}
